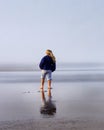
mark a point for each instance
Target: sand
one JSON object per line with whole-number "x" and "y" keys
{"x": 50, "y": 124}
{"x": 79, "y": 106}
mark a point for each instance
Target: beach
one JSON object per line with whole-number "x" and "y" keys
{"x": 59, "y": 124}
{"x": 78, "y": 102}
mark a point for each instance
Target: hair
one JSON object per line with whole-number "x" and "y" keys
{"x": 50, "y": 53}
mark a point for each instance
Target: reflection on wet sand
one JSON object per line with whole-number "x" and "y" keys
{"x": 48, "y": 107}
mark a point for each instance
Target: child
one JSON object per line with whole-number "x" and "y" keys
{"x": 47, "y": 66}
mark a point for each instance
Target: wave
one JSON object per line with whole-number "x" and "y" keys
{"x": 60, "y": 67}
{"x": 58, "y": 76}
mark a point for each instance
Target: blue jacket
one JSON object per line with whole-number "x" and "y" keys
{"x": 47, "y": 63}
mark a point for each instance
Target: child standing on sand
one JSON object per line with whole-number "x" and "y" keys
{"x": 47, "y": 66}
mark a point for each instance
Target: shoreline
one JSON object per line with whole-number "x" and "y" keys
{"x": 61, "y": 76}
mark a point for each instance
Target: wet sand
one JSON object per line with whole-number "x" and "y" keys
{"x": 57, "y": 124}
{"x": 78, "y": 106}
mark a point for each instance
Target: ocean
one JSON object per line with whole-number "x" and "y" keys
{"x": 65, "y": 72}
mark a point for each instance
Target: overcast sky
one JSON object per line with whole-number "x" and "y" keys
{"x": 72, "y": 29}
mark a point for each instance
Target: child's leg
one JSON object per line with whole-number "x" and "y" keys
{"x": 49, "y": 78}
{"x": 43, "y": 75}
{"x": 49, "y": 84}
{"x": 42, "y": 83}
